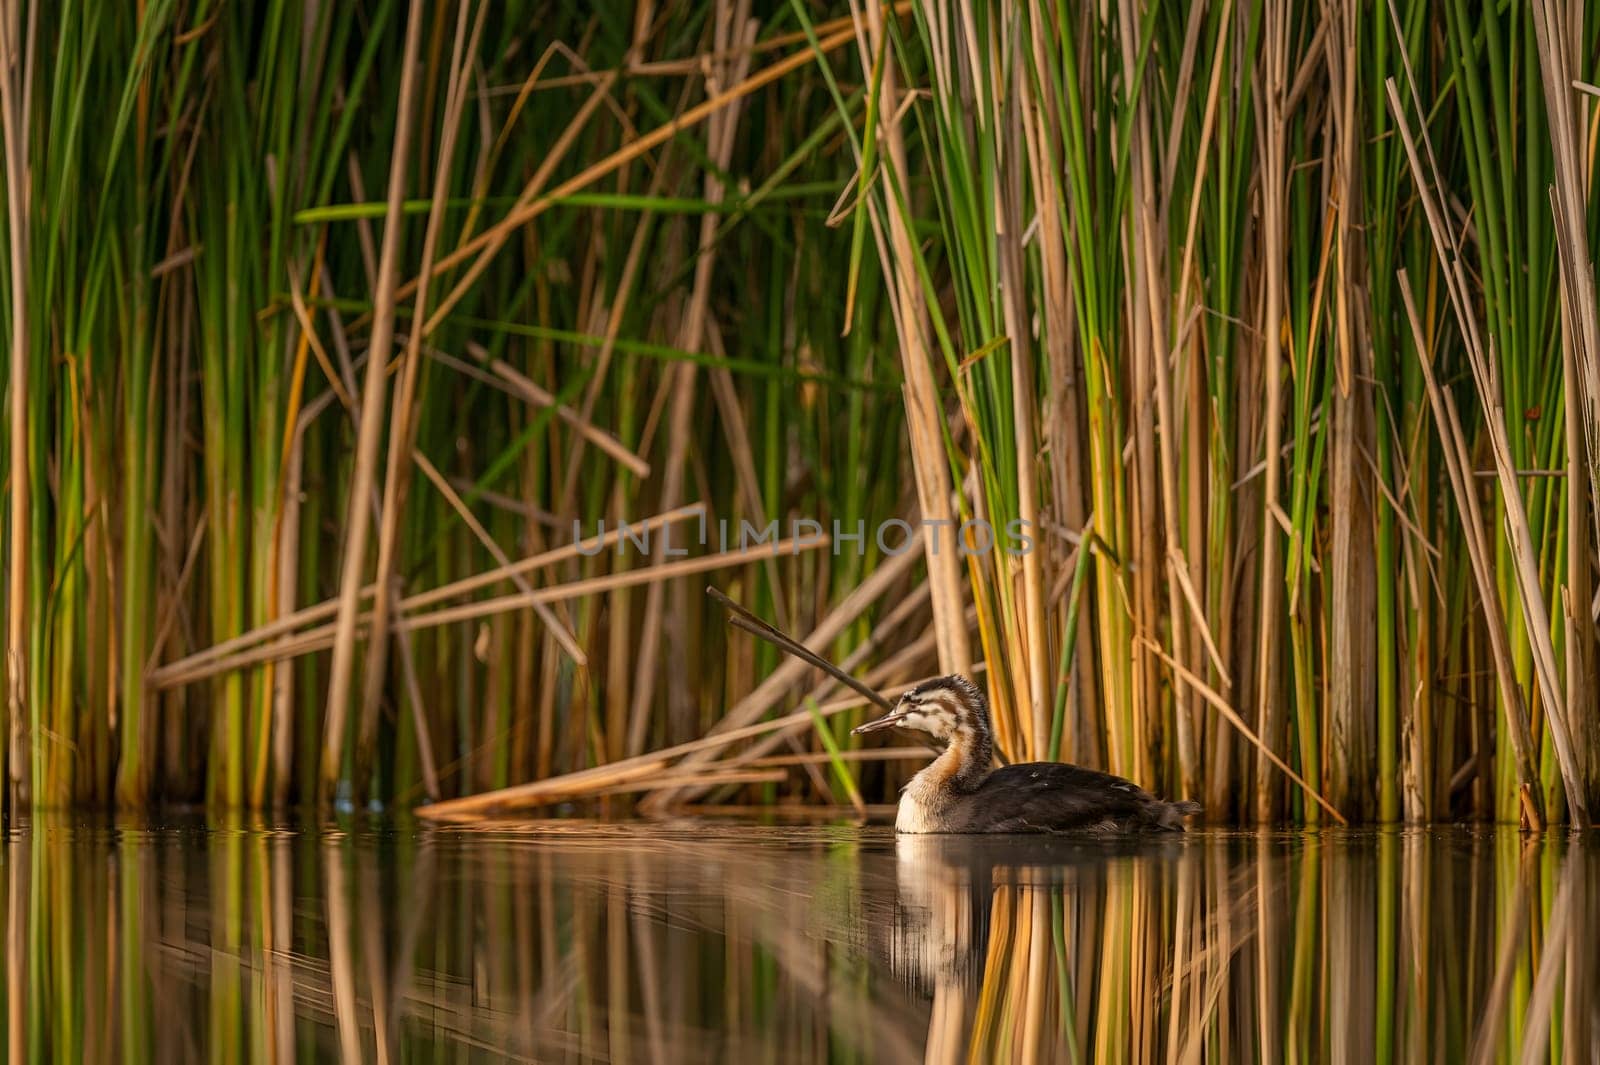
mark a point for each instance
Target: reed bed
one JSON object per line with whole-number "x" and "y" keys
{"x": 341, "y": 337}
{"x": 588, "y": 942}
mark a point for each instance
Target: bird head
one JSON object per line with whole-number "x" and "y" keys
{"x": 943, "y": 708}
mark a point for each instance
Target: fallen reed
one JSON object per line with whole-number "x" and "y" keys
{"x": 1273, "y": 325}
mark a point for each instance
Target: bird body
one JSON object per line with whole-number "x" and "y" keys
{"x": 960, "y": 791}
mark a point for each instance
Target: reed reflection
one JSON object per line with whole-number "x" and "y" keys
{"x": 244, "y": 941}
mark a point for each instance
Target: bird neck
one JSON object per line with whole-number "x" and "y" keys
{"x": 969, "y": 757}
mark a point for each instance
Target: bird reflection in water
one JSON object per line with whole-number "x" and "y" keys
{"x": 991, "y": 927}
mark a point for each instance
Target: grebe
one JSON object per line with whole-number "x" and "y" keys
{"x": 959, "y": 791}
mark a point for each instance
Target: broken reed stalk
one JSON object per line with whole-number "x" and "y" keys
{"x": 911, "y": 660}
{"x": 761, "y": 699}
{"x": 323, "y": 636}
{"x": 583, "y": 781}
{"x": 744, "y": 619}
{"x": 187, "y": 670}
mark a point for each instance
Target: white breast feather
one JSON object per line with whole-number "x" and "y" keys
{"x": 918, "y": 810}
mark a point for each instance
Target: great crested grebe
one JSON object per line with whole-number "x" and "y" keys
{"x": 960, "y": 791}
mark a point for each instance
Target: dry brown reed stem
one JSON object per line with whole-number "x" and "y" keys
{"x": 580, "y": 782}
{"x": 1556, "y": 36}
{"x": 814, "y": 814}
{"x": 1043, "y": 135}
{"x": 1180, "y": 569}
{"x": 709, "y": 778}
{"x": 732, "y": 16}
{"x": 1157, "y": 435}
{"x": 169, "y": 616}
{"x": 610, "y": 582}
{"x": 1536, "y": 613}
{"x": 1183, "y": 604}
{"x": 924, "y": 418}
{"x": 374, "y": 396}
{"x": 910, "y": 660}
{"x": 1020, "y": 696}
{"x": 493, "y": 238}
{"x": 407, "y": 405}
{"x": 551, "y": 557}
{"x": 656, "y": 68}
{"x": 1270, "y": 719}
{"x": 179, "y": 672}
{"x": 1036, "y": 635}
{"x": 614, "y": 314}
{"x": 1556, "y": 40}
{"x": 555, "y": 625}
{"x": 1579, "y": 636}
{"x": 1485, "y": 375}
{"x": 1145, "y": 275}
{"x": 865, "y": 754}
{"x": 426, "y": 761}
{"x": 323, "y": 636}
{"x": 524, "y": 387}
{"x": 308, "y": 331}
{"x": 14, "y": 126}
{"x": 501, "y": 501}
{"x": 752, "y": 624}
{"x": 500, "y": 235}
{"x": 1353, "y": 600}
{"x": 285, "y": 568}
{"x": 284, "y": 562}
{"x": 1205, "y": 691}
{"x": 748, "y": 482}
{"x": 1475, "y": 533}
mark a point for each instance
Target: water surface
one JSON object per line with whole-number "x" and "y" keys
{"x": 694, "y": 941}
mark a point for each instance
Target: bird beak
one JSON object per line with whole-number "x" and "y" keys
{"x": 889, "y": 720}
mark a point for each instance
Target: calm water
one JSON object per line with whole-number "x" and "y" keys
{"x": 720, "y": 941}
